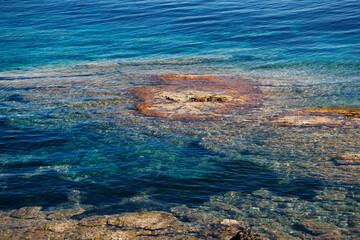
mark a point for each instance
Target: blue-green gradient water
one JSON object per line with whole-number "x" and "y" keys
{"x": 70, "y": 134}
{"x": 251, "y": 34}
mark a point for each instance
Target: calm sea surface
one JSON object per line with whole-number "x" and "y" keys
{"x": 70, "y": 134}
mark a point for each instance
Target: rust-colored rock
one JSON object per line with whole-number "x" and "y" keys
{"x": 197, "y": 97}
{"x": 345, "y": 112}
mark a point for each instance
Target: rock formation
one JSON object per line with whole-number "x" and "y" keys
{"x": 197, "y": 97}
{"x": 31, "y": 223}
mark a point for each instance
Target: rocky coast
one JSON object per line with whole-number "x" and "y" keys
{"x": 32, "y": 223}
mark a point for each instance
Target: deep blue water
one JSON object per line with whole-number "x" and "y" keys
{"x": 252, "y": 34}
{"x": 70, "y": 135}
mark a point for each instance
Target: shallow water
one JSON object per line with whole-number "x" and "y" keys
{"x": 71, "y": 139}
{"x": 70, "y": 134}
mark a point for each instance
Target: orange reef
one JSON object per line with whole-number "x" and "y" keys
{"x": 197, "y": 97}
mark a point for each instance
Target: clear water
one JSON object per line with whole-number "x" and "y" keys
{"x": 70, "y": 133}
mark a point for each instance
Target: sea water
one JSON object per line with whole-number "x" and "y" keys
{"x": 70, "y": 133}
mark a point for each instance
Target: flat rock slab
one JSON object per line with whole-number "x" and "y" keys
{"x": 310, "y": 119}
{"x": 345, "y": 112}
{"x": 348, "y": 159}
{"x": 197, "y": 97}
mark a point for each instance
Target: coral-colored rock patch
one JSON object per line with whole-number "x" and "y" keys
{"x": 197, "y": 97}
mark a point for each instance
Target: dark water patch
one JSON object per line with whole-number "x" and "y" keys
{"x": 304, "y": 188}
{"x": 246, "y": 176}
{"x": 6, "y": 79}
{"x": 13, "y": 165}
{"x": 14, "y": 139}
{"x": 41, "y": 190}
{"x": 51, "y": 76}
{"x": 166, "y": 192}
{"x": 164, "y": 189}
{"x": 184, "y": 175}
{"x": 17, "y": 98}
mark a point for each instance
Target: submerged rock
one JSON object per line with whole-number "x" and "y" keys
{"x": 64, "y": 214}
{"x": 305, "y": 119}
{"x": 27, "y": 212}
{"x": 145, "y": 220}
{"x": 197, "y": 97}
{"x": 320, "y": 117}
{"x": 226, "y": 232}
{"x": 331, "y": 195}
{"x": 244, "y": 235}
{"x": 94, "y": 221}
{"x": 232, "y": 222}
{"x": 348, "y": 159}
{"x": 319, "y": 228}
{"x": 329, "y": 236}
{"x": 61, "y": 226}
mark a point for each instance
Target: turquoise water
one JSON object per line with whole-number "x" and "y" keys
{"x": 249, "y": 34}
{"x": 70, "y": 134}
